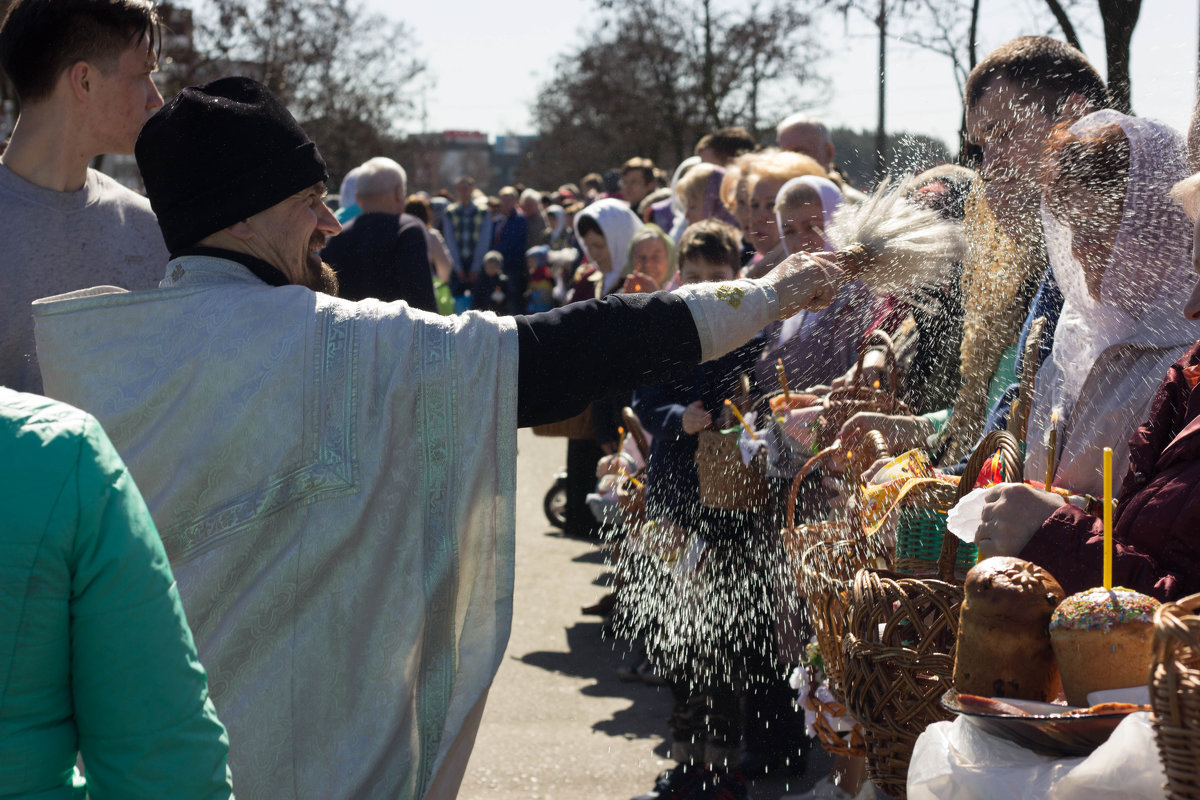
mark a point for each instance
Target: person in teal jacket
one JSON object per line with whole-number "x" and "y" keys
{"x": 96, "y": 657}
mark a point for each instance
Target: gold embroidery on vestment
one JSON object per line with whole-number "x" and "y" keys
{"x": 731, "y": 294}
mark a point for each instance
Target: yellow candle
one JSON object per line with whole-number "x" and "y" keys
{"x": 741, "y": 419}
{"x": 1108, "y": 512}
{"x": 1051, "y": 450}
{"x": 783, "y": 380}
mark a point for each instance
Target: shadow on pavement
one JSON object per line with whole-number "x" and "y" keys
{"x": 596, "y": 556}
{"x": 591, "y": 655}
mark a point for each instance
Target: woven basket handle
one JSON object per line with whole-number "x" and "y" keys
{"x": 872, "y": 447}
{"x": 1176, "y": 633}
{"x": 1012, "y": 468}
{"x": 876, "y": 340}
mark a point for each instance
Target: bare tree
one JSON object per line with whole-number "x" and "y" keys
{"x": 951, "y": 28}
{"x": 342, "y": 71}
{"x": 655, "y": 75}
{"x": 1119, "y": 18}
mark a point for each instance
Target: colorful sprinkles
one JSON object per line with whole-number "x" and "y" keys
{"x": 1100, "y": 609}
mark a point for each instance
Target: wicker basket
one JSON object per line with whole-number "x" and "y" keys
{"x": 852, "y": 744}
{"x": 899, "y": 661}
{"x": 824, "y": 557}
{"x": 1175, "y": 695}
{"x": 799, "y": 538}
{"x": 828, "y": 570}
{"x": 725, "y": 482}
{"x": 899, "y": 648}
{"x": 843, "y": 403}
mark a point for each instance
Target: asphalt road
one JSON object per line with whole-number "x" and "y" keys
{"x": 558, "y": 723}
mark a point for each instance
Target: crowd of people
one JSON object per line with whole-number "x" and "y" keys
{"x": 309, "y": 418}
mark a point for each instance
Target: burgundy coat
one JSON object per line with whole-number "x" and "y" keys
{"x": 1157, "y": 528}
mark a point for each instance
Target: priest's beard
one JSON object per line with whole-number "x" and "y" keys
{"x": 319, "y": 276}
{"x": 327, "y": 280}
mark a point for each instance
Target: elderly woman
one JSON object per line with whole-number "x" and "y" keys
{"x": 605, "y": 230}
{"x": 765, "y": 176}
{"x": 1158, "y": 512}
{"x": 652, "y": 263}
{"x": 815, "y": 347}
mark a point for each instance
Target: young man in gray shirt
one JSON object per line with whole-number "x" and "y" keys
{"x": 82, "y": 71}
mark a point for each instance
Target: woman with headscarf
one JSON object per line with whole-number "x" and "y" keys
{"x": 604, "y": 230}
{"x": 1124, "y": 271}
{"x": 558, "y": 227}
{"x": 1119, "y": 250}
{"x": 348, "y": 207}
{"x": 815, "y": 347}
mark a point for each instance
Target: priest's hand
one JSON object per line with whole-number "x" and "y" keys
{"x": 805, "y": 282}
{"x": 1012, "y": 514}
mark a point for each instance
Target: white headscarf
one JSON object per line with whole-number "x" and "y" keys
{"x": 618, "y": 223}
{"x": 1145, "y": 284}
{"x": 831, "y": 199}
{"x": 560, "y": 221}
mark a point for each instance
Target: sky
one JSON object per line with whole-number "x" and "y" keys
{"x": 489, "y": 59}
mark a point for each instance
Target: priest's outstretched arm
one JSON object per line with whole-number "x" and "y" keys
{"x": 581, "y": 352}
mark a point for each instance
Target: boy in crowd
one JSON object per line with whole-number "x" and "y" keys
{"x": 724, "y": 603}
{"x": 82, "y": 71}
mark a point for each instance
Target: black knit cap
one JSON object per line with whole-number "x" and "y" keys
{"x": 219, "y": 153}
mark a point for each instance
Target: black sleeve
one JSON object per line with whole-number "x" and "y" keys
{"x": 584, "y": 351}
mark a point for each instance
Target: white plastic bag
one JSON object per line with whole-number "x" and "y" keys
{"x": 958, "y": 761}
{"x": 964, "y": 518}
{"x": 748, "y": 444}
